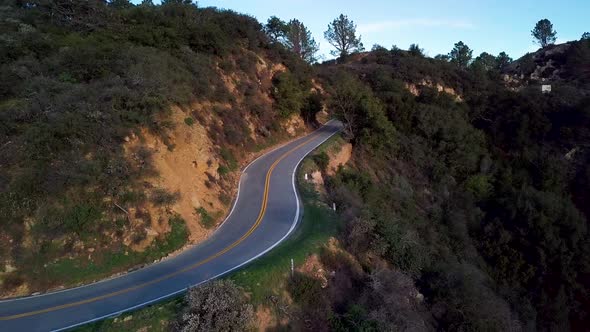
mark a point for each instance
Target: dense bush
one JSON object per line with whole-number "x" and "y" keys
{"x": 307, "y": 292}
{"x": 161, "y": 197}
{"x": 322, "y": 160}
{"x": 215, "y": 306}
{"x": 311, "y": 107}
{"x": 362, "y": 114}
{"x": 206, "y": 219}
{"x": 288, "y": 94}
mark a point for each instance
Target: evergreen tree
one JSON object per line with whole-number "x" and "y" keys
{"x": 276, "y": 29}
{"x": 502, "y": 61}
{"x": 461, "y": 55}
{"x": 485, "y": 61}
{"x": 299, "y": 40}
{"x": 416, "y": 50}
{"x": 341, "y": 34}
{"x": 544, "y": 33}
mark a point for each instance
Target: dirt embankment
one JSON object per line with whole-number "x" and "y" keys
{"x": 188, "y": 164}
{"x": 339, "y": 158}
{"x": 187, "y": 158}
{"x": 185, "y": 164}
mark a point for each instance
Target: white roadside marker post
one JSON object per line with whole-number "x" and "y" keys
{"x": 334, "y": 206}
{"x": 305, "y": 176}
{"x": 292, "y": 267}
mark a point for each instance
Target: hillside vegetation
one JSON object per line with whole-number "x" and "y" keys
{"x": 467, "y": 209}
{"x": 462, "y": 201}
{"x": 119, "y": 121}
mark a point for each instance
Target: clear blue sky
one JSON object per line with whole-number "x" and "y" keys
{"x": 484, "y": 25}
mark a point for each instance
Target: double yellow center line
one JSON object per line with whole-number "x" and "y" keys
{"x": 173, "y": 274}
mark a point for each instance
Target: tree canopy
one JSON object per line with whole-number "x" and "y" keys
{"x": 299, "y": 40}
{"x": 503, "y": 60}
{"x": 276, "y": 29}
{"x": 294, "y": 35}
{"x": 461, "y": 55}
{"x": 341, "y": 34}
{"x": 486, "y": 61}
{"x": 415, "y": 50}
{"x": 544, "y": 33}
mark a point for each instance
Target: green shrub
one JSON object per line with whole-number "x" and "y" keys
{"x": 312, "y": 105}
{"x": 206, "y": 219}
{"x": 80, "y": 219}
{"x": 322, "y": 160}
{"x": 229, "y": 158}
{"x": 355, "y": 318}
{"x": 11, "y": 281}
{"x": 189, "y": 121}
{"x": 288, "y": 94}
{"x": 305, "y": 290}
{"x": 222, "y": 170}
{"x": 161, "y": 197}
{"x": 247, "y": 63}
{"x": 131, "y": 197}
{"x": 174, "y": 240}
{"x": 479, "y": 185}
{"x": 224, "y": 198}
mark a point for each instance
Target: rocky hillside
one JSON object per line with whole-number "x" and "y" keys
{"x": 556, "y": 64}
{"x": 123, "y": 129}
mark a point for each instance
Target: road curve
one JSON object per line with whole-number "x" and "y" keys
{"x": 265, "y": 212}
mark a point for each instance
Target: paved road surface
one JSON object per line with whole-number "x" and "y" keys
{"x": 265, "y": 212}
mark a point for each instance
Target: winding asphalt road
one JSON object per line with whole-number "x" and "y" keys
{"x": 265, "y": 212}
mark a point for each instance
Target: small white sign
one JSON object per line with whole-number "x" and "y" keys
{"x": 546, "y": 88}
